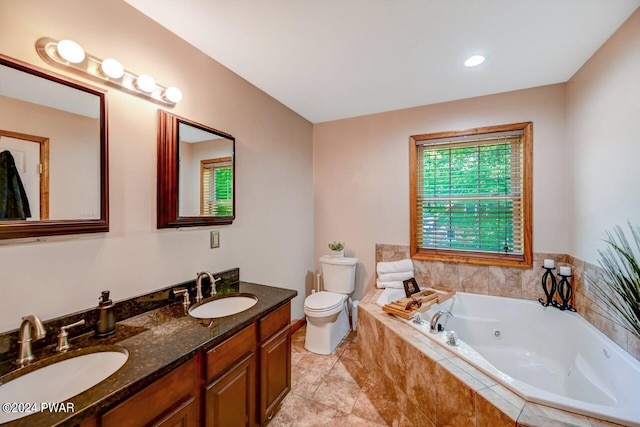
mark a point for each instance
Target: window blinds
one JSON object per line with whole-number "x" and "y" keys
{"x": 217, "y": 189}
{"x": 469, "y": 193}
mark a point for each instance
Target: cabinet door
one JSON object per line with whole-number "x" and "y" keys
{"x": 184, "y": 416}
{"x": 230, "y": 399}
{"x": 275, "y": 372}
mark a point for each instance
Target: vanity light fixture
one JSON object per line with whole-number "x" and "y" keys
{"x": 146, "y": 83}
{"x": 70, "y": 56}
{"x": 70, "y": 51}
{"x": 112, "y": 68}
{"x": 173, "y": 94}
{"x": 474, "y": 61}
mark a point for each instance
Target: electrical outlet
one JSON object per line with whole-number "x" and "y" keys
{"x": 215, "y": 239}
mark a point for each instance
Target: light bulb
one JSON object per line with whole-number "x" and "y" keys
{"x": 173, "y": 94}
{"x": 112, "y": 68}
{"x": 146, "y": 83}
{"x": 70, "y": 51}
{"x": 474, "y": 61}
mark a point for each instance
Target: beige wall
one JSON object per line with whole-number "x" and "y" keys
{"x": 361, "y": 176}
{"x": 603, "y": 109}
{"x": 273, "y": 148}
{"x": 74, "y": 155}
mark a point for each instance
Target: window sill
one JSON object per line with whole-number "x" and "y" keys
{"x": 464, "y": 257}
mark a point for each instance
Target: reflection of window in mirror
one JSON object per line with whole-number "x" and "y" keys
{"x": 216, "y": 187}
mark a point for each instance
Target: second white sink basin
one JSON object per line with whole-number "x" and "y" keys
{"x": 60, "y": 378}
{"x": 223, "y": 306}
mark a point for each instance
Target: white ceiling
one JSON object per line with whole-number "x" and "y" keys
{"x": 333, "y": 59}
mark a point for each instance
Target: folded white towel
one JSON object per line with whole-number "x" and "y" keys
{"x": 392, "y": 277}
{"x": 395, "y": 284}
{"x": 389, "y": 295}
{"x": 394, "y": 266}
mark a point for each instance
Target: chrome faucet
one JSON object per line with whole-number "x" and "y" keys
{"x": 25, "y": 355}
{"x": 63, "y": 336}
{"x": 212, "y": 280}
{"x": 433, "y": 326}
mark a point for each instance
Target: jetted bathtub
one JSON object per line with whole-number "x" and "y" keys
{"x": 547, "y": 356}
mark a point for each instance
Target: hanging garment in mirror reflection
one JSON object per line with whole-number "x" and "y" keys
{"x": 14, "y": 204}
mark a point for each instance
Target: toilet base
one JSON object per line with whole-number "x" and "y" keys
{"x": 325, "y": 333}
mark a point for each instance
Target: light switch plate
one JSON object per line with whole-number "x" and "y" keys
{"x": 215, "y": 239}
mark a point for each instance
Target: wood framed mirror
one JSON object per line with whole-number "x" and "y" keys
{"x": 196, "y": 174}
{"x": 53, "y": 154}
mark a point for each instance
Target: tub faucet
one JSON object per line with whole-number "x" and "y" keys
{"x": 25, "y": 355}
{"x": 435, "y": 320}
{"x": 212, "y": 280}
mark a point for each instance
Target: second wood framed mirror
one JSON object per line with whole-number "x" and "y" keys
{"x": 196, "y": 174}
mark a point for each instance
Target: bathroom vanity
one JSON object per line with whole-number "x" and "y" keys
{"x": 234, "y": 370}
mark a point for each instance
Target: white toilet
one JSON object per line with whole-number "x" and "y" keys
{"x": 327, "y": 311}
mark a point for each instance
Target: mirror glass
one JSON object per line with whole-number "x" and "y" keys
{"x": 206, "y": 173}
{"x": 52, "y": 154}
{"x": 196, "y": 174}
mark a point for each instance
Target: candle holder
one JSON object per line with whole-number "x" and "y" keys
{"x": 549, "y": 292}
{"x": 565, "y": 291}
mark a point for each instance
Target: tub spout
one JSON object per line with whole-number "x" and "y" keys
{"x": 435, "y": 320}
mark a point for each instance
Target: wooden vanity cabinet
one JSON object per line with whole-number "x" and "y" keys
{"x": 230, "y": 391}
{"x": 275, "y": 361}
{"x": 239, "y": 382}
{"x": 172, "y": 400}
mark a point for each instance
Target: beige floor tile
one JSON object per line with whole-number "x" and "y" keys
{"x": 298, "y": 411}
{"x": 318, "y": 362}
{"x": 349, "y": 370}
{"x": 351, "y": 351}
{"x": 337, "y": 394}
{"x": 305, "y": 382}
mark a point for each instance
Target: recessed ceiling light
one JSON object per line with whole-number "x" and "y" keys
{"x": 474, "y": 61}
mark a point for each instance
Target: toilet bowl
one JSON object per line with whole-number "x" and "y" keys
{"x": 327, "y": 311}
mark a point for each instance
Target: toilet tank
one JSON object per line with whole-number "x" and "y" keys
{"x": 339, "y": 274}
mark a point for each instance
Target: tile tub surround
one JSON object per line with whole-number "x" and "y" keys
{"x": 517, "y": 283}
{"x": 433, "y": 387}
{"x": 157, "y": 341}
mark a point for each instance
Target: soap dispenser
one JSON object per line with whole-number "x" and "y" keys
{"x": 106, "y": 319}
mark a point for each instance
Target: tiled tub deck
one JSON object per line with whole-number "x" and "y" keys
{"x": 433, "y": 387}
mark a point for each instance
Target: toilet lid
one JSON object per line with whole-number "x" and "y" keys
{"x": 322, "y": 301}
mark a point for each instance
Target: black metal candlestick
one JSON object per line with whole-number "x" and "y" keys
{"x": 548, "y": 292}
{"x": 565, "y": 291}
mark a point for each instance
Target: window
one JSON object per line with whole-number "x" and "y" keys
{"x": 216, "y": 178}
{"x": 471, "y": 196}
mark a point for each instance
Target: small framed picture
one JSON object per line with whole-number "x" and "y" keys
{"x": 410, "y": 286}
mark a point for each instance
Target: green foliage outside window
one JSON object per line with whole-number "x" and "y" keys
{"x": 223, "y": 191}
{"x": 468, "y": 197}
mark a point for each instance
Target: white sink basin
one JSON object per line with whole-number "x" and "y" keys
{"x": 223, "y": 306}
{"x": 59, "y": 381}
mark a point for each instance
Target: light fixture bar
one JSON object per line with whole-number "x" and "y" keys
{"x": 99, "y": 70}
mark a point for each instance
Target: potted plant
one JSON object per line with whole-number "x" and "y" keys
{"x": 337, "y": 249}
{"x": 618, "y": 288}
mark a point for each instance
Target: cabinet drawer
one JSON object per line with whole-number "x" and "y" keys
{"x": 157, "y": 399}
{"x": 223, "y": 355}
{"x": 274, "y": 322}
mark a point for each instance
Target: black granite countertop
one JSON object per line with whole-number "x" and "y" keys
{"x": 157, "y": 341}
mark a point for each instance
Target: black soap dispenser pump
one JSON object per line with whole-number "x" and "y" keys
{"x": 106, "y": 319}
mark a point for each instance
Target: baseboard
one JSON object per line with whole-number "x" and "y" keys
{"x": 297, "y": 324}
